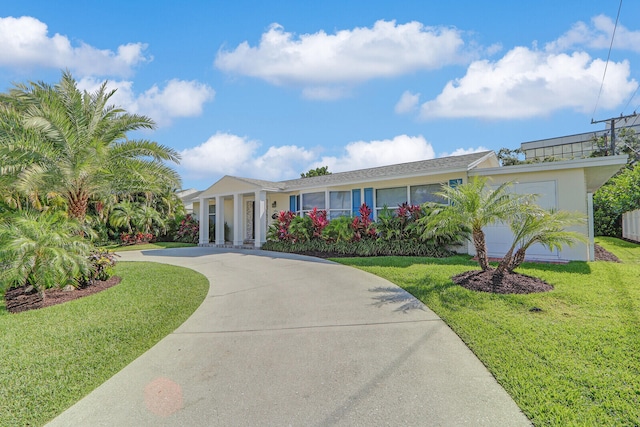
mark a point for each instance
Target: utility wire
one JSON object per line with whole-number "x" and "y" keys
{"x": 613, "y": 35}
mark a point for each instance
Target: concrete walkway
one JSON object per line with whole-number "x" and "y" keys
{"x": 288, "y": 340}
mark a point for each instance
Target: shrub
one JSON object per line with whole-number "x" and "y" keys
{"x": 102, "y": 264}
{"x": 42, "y": 249}
{"x": 362, "y": 225}
{"x": 188, "y": 230}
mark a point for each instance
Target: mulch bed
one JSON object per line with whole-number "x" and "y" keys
{"x": 26, "y": 298}
{"x": 604, "y": 255}
{"x": 508, "y": 283}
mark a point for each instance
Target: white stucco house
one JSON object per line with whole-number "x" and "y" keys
{"x": 246, "y": 205}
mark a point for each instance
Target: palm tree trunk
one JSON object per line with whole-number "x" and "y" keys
{"x": 517, "y": 259}
{"x": 481, "y": 249}
{"x": 505, "y": 262}
{"x": 78, "y": 203}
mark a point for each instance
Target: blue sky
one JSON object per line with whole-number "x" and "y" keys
{"x": 272, "y": 89}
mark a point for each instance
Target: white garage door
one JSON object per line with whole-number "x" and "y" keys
{"x": 499, "y": 237}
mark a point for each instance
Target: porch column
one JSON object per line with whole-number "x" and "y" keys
{"x": 219, "y": 221}
{"x": 237, "y": 219}
{"x": 204, "y": 221}
{"x": 590, "y": 232}
{"x": 260, "y": 220}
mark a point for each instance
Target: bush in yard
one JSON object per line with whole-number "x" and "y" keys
{"x": 102, "y": 264}
{"x": 362, "y": 225}
{"x": 188, "y": 230}
{"x": 44, "y": 250}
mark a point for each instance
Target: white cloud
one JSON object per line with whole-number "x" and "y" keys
{"x": 407, "y": 103}
{"x": 322, "y": 60}
{"x": 463, "y": 151}
{"x": 596, "y": 36}
{"x": 368, "y": 154}
{"x": 178, "y": 98}
{"x": 25, "y": 43}
{"x": 228, "y": 154}
{"x": 528, "y": 83}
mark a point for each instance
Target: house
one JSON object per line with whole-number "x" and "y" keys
{"x": 248, "y": 205}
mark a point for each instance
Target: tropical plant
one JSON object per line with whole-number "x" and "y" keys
{"x": 188, "y": 230}
{"x": 473, "y": 205}
{"x": 318, "y": 222}
{"x": 362, "y": 225}
{"x": 44, "y": 250}
{"x": 531, "y": 225}
{"x": 75, "y": 144}
{"x": 338, "y": 230}
{"x": 123, "y": 215}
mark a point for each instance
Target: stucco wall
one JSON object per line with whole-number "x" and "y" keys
{"x": 571, "y": 195}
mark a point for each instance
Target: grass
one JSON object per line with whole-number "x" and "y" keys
{"x": 147, "y": 246}
{"x": 575, "y": 362}
{"x": 52, "y": 357}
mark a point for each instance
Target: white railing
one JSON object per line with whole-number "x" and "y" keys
{"x": 631, "y": 225}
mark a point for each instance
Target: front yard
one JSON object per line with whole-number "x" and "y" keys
{"x": 567, "y": 357}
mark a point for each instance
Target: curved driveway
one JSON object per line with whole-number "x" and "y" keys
{"x": 288, "y": 340}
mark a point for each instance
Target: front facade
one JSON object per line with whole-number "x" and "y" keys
{"x": 237, "y": 211}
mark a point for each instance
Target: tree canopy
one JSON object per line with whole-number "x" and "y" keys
{"x": 324, "y": 170}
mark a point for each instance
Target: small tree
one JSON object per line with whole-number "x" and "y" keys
{"x": 532, "y": 224}
{"x": 44, "y": 250}
{"x": 324, "y": 170}
{"x": 473, "y": 205}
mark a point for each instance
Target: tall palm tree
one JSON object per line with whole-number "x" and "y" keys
{"x": 472, "y": 206}
{"x": 81, "y": 150}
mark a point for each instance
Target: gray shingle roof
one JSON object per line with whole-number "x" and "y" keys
{"x": 422, "y": 167}
{"x": 402, "y": 170}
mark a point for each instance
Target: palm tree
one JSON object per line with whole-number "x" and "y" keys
{"x": 146, "y": 217}
{"x": 123, "y": 215}
{"x": 42, "y": 249}
{"x": 471, "y": 207}
{"x": 81, "y": 150}
{"x": 533, "y": 224}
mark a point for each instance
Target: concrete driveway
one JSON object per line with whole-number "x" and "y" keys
{"x": 289, "y": 340}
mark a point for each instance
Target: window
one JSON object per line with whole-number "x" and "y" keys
{"x": 312, "y": 200}
{"x": 339, "y": 204}
{"x": 390, "y": 197}
{"x": 420, "y": 194}
{"x": 212, "y": 223}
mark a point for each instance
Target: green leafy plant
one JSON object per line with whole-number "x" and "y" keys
{"x": 44, "y": 250}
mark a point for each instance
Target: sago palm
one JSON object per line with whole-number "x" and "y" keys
{"x": 82, "y": 150}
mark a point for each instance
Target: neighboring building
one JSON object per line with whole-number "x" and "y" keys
{"x": 568, "y": 147}
{"x": 247, "y": 205}
{"x": 188, "y": 197}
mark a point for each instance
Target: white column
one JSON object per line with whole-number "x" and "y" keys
{"x": 260, "y": 219}
{"x": 592, "y": 253}
{"x": 237, "y": 219}
{"x": 204, "y": 221}
{"x": 219, "y": 237}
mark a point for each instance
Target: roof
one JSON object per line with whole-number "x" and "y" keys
{"x": 401, "y": 170}
{"x": 439, "y": 165}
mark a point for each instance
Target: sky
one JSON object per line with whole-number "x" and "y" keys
{"x": 269, "y": 90}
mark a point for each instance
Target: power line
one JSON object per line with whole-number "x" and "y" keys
{"x": 606, "y": 65}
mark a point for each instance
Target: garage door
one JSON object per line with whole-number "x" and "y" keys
{"x": 499, "y": 236}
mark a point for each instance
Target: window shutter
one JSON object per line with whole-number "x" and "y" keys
{"x": 293, "y": 206}
{"x": 368, "y": 200}
{"x": 355, "y": 201}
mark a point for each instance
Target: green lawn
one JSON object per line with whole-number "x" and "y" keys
{"x": 52, "y": 357}
{"x": 147, "y": 246}
{"x": 576, "y": 362}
